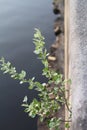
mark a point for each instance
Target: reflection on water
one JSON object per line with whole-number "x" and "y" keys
{"x": 18, "y": 18}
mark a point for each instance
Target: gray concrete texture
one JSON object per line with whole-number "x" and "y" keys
{"x": 78, "y": 63}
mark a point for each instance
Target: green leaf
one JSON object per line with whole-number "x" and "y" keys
{"x": 67, "y": 125}
{"x": 25, "y": 99}
{"x": 22, "y": 74}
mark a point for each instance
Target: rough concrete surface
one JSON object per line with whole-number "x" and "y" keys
{"x": 78, "y": 63}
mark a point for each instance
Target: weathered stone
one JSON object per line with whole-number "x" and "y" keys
{"x": 56, "y": 59}
{"x": 58, "y": 5}
{"x": 51, "y": 58}
{"x": 54, "y": 46}
{"x": 56, "y": 11}
{"x": 57, "y": 30}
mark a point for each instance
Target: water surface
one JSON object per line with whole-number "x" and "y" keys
{"x": 18, "y": 18}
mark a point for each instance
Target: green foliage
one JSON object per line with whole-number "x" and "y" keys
{"x": 54, "y": 123}
{"x": 67, "y": 125}
{"x": 50, "y": 99}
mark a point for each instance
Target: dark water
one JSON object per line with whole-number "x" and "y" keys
{"x": 18, "y": 18}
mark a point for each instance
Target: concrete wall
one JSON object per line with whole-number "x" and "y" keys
{"x": 78, "y": 63}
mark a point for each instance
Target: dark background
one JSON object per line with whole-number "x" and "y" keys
{"x": 18, "y": 18}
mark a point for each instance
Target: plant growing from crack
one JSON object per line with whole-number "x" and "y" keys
{"x": 51, "y": 99}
